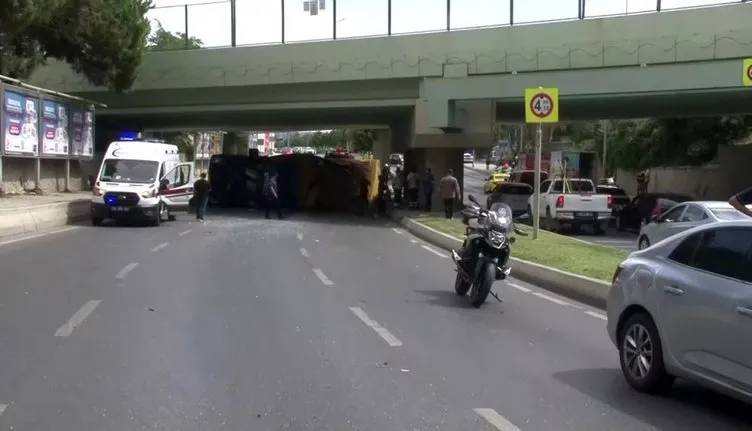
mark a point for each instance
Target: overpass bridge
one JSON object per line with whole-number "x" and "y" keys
{"x": 435, "y": 94}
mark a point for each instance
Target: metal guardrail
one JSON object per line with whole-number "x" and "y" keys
{"x": 183, "y": 19}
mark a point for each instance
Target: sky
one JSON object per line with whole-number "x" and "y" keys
{"x": 259, "y": 21}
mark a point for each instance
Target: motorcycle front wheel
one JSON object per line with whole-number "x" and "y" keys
{"x": 485, "y": 281}
{"x": 460, "y": 285}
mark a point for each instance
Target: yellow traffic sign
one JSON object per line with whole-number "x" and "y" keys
{"x": 541, "y": 105}
{"x": 747, "y": 78}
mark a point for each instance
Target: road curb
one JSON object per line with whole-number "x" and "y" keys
{"x": 585, "y": 289}
{"x": 38, "y": 218}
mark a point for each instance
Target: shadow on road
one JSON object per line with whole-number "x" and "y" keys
{"x": 444, "y": 298}
{"x": 689, "y": 402}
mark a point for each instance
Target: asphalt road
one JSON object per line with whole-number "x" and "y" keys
{"x": 310, "y": 323}
{"x": 475, "y": 178}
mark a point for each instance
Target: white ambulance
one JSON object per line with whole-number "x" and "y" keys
{"x": 141, "y": 179}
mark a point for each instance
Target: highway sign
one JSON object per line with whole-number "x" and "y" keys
{"x": 541, "y": 105}
{"x": 747, "y": 77}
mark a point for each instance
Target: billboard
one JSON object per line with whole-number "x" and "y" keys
{"x": 82, "y": 133}
{"x": 55, "y": 141}
{"x": 20, "y": 124}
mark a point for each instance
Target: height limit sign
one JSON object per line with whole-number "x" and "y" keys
{"x": 541, "y": 105}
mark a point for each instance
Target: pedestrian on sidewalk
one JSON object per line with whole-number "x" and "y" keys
{"x": 427, "y": 184}
{"x": 398, "y": 185}
{"x": 449, "y": 189}
{"x": 270, "y": 191}
{"x": 741, "y": 200}
{"x": 488, "y": 162}
{"x": 201, "y": 190}
{"x": 412, "y": 189}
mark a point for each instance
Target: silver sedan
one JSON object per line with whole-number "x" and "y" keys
{"x": 683, "y": 308}
{"x": 684, "y": 216}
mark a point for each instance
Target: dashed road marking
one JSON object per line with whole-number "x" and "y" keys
{"x": 77, "y": 319}
{"x": 413, "y": 241}
{"x": 596, "y": 315}
{"x": 2, "y": 408}
{"x": 398, "y": 231}
{"x": 383, "y": 332}
{"x": 304, "y": 252}
{"x": 498, "y": 421}
{"x": 160, "y": 247}
{"x": 185, "y": 232}
{"x": 437, "y": 253}
{"x": 300, "y": 236}
{"x": 37, "y": 235}
{"x": 324, "y": 279}
{"x": 124, "y": 272}
{"x": 552, "y": 299}
{"x": 520, "y": 288}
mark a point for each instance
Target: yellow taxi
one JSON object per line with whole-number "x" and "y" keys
{"x": 494, "y": 180}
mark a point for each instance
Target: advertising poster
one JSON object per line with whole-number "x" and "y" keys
{"x": 20, "y": 125}
{"x": 82, "y": 133}
{"x": 55, "y": 128}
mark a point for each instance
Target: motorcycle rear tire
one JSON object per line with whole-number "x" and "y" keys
{"x": 485, "y": 280}
{"x": 460, "y": 285}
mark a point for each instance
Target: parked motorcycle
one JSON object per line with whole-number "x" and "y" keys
{"x": 484, "y": 257}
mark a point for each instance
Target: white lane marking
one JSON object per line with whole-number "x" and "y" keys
{"x": 383, "y": 332}
{"x": 185, "y": 232}
{"x": 37, "y": 235}
{"x": 320, "y": 274}
{"x": 596, "y": 315}
{"x": 552, "y": 299}
{"x": 160, "y": 247}
{"x": 77, "y": 319}
{"x": 520, "y": 288}
{"x": 128, "y": 268}
{"x": 498, "y": 421}
{"x": 304, "y": 252}
{"x": 2, "y": 408}
{"x": 414, "y": 241}
{"x": 398, "y": 231}
{"x": 300, "y": 236}
{"x": 437, "y": 253}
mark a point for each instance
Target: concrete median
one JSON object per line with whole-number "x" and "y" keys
{"x": 585, "y": 289}
{"x": 37, "y": 218}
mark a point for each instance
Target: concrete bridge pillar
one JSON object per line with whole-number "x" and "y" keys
{"x": 382, "y": 145}
{"x": 234, "y": 143}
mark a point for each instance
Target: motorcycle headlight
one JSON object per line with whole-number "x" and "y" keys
{"x": 496, "y": 237}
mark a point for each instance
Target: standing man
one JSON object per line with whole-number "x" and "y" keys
{"x": 397, "y": 186}
{"x": 271, "y": 194}
{"x": 741, "y": 200}
{"x": 412, "y": 189}
{"x": 201, "y": 196}
{"x": 428, "y": 188}
{"x": 449, "y": 189}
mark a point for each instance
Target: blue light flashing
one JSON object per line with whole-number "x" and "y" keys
{"x": 110, "y": 200}
{"x": 128, "y": 135}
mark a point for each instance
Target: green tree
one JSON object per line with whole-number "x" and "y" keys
{"x": 103, "y": 39}
{"x": 163, "y": 39}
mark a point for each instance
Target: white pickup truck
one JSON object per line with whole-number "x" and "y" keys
{"x": 572, "y": 202}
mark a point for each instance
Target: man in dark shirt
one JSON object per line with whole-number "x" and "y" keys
{"x": 201, "y": 196}
{"x": 741, "y": 200}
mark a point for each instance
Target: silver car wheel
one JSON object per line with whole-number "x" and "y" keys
{"x": 637, "y": 349}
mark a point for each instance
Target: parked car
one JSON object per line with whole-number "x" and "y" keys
{"x": 493, "y": 181}
{"x": 468, "y": 158}
{"x": 685, "y": 216}
{"x": 620, "y": 197}
{"x": 572, "y": 202}
{"x": 396, "y": 159}
{"x": 515, "y": 195}
{"x": 643, "y": 206}
{"x": 527, "y": 177}
{"x": 683, "y": 308}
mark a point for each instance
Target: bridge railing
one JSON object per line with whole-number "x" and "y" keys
{"x": 228, "y": 23}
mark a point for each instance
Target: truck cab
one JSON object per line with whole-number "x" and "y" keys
{"x": 141, "y": 180}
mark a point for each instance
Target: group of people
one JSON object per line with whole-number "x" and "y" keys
{"x": 409, "y": 187}
{"x": 269, "y": 194}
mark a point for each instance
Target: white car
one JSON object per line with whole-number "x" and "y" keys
{"x": 468, "y": 158}
{"x": 683, "y": 308}
{"x": 683, "y": 216}
{"x": 572, "y": 202}
{"x": 141, "y": 179}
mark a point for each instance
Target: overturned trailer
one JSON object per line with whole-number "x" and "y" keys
{"x": 305, "y": 181}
